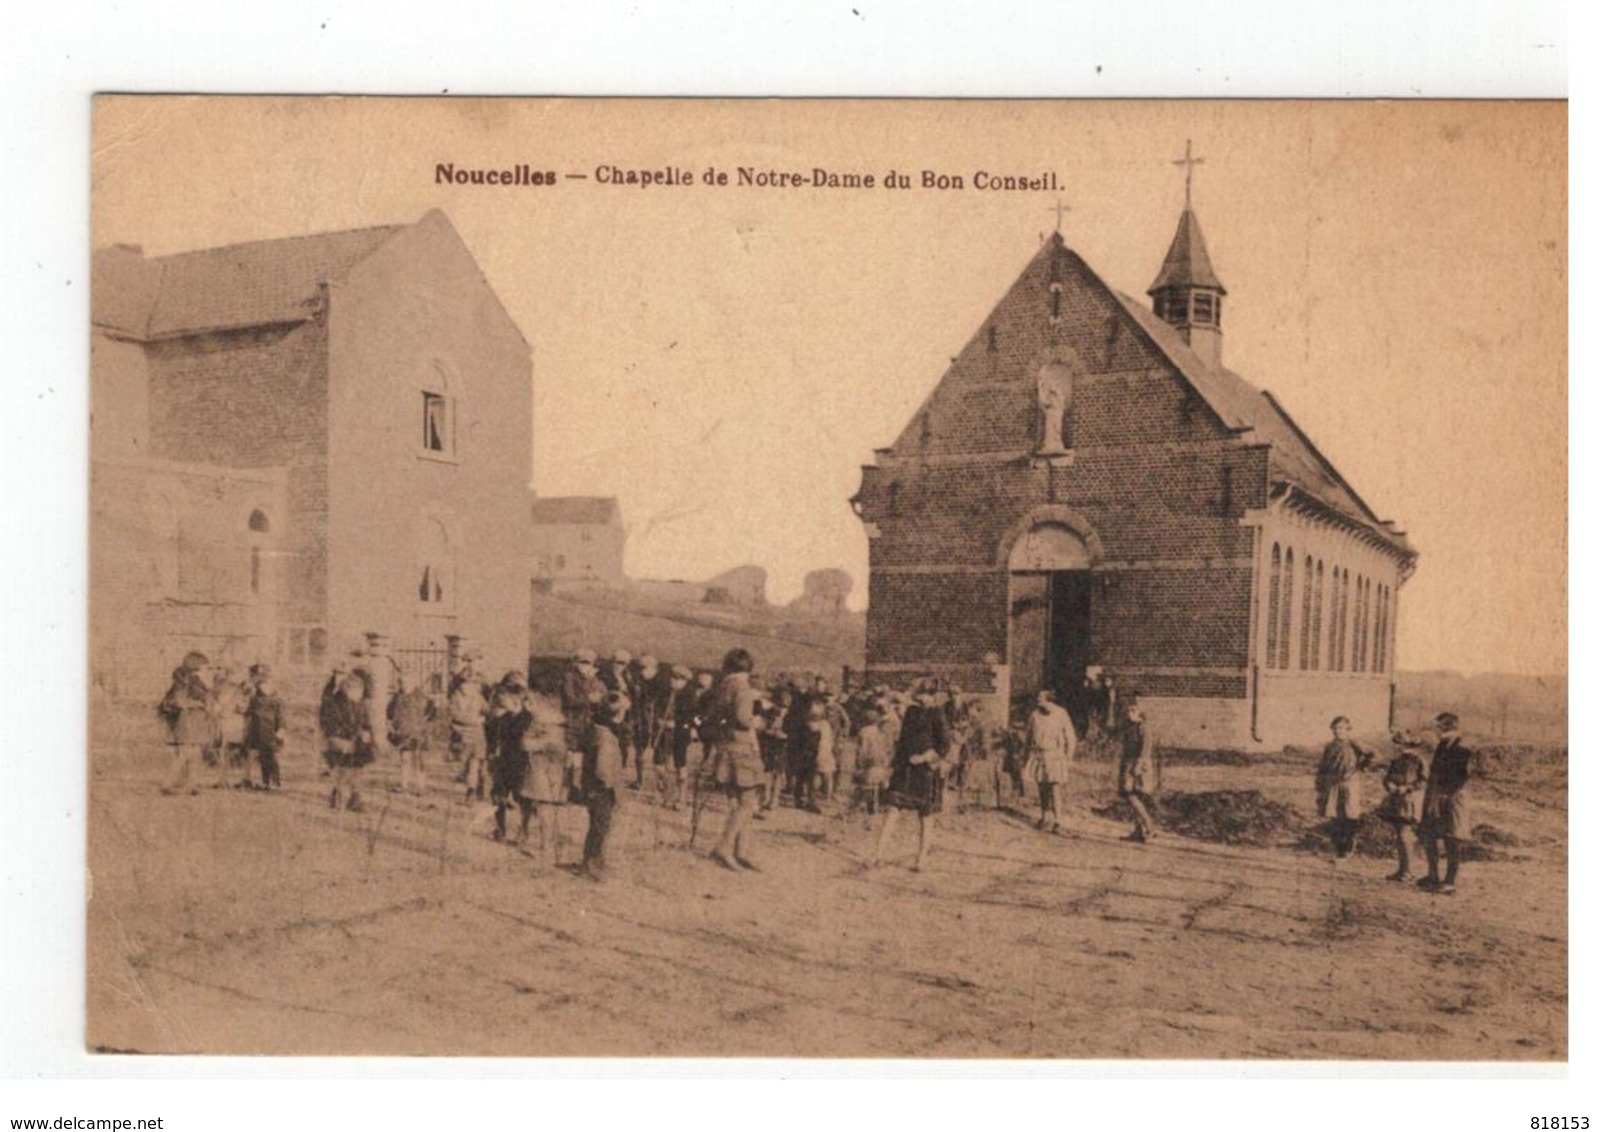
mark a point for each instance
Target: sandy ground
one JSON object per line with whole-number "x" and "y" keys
{"x": 237, "y": 922}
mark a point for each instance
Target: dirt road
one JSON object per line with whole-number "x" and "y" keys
{"x": 236, "y": 922}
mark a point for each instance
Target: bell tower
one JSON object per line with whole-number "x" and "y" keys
{"x": 1187, "y": 292}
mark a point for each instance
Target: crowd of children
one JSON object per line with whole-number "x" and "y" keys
{"x": 678, "y": 735}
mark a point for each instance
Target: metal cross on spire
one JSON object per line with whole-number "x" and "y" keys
{"x": 1060, "y": 209}
{"x": 1188, "y": 159}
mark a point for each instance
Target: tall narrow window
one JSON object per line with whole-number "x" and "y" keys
{"x": 1286, "y": 631}
{"x": 437, "y": 433}
{"x": 1306, "y": 602}
{"x": 259, "y": 527}
{"x": 1335, "y": 661}
{"x": 435, "y": 575}
{"x": 1315, "y": 618}
{"x": 1272, "y": 604}
{"x": 1343, "y": 620}
{"x": 1379, "y": 629}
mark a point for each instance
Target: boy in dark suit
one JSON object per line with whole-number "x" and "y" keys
{"x": 264, "y": 728}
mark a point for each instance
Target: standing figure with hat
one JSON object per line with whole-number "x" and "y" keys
{"x": 1446, "y": 809}
{"x": 916, "y": 780}
{"x": 617, "y": 676}
{"x": 1138, "y": 773}
{"x": 651, "y": 686}
{"x": 265, "y": 727}
{"x": 740, "y": 770}
{"x": 1405, "y": 785}
{"x": 510, "y": 760}
{"x": 1051, "y": 747}
{"x": 1338, "y": 785}
{"x": 675, "y": 733}
{"x": 582, "y": 691}
{"x": 602, "y": 778}
{"x": 346, "y": 725}
{"x": 469, "y": 707}
{"x": 186, "y": 709}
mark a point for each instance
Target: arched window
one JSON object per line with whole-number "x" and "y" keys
{"x": 1307, "y": 603}
{"x": 1286, "y": 630}
{"x": 1273, "y": 604}
{"x": 1383, "y": 618}
{"x": 259, "y": 527}
{"x": 1335, "y": 622}
{"x": 435, "y": 584}
{"x": 1315, "y": 618}
{"x": 1343, "y": 619}
{"x": 1365, "y": 624}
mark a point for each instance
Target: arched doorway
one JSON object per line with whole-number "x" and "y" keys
{"x": 1050, "y": 612}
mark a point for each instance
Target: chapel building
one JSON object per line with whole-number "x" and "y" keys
{"x": 1090, "y": 490}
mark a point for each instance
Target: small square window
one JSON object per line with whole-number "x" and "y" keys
{"x": 437, "y": 428}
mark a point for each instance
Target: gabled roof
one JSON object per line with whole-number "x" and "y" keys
{"x": 576, "y": 510}
{"x": 262, "y": 283}
{"x": 1187, "y": 260}
{"x": 1295, "y": 459}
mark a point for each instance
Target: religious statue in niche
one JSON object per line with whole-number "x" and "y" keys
{"x": 1054, "y": 402}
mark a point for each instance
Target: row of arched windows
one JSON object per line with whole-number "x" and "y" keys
{"x": 1354, "y": 614}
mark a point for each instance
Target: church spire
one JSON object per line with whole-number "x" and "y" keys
{"x": 1187, "y": 292}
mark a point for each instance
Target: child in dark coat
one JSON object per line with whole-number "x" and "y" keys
{"x": 264, "y": 728}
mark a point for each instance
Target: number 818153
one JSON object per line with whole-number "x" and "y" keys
{"x": 1559, "y": 1124}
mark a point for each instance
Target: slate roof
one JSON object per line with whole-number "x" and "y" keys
{"x": 576, "y": 510}
{"x": 1295, "y": 459}
{"x": 1187, "y": 260}
{"x": 261, "y": 283}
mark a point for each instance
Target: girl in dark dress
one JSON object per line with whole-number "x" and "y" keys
{"x": 916, "y": 778}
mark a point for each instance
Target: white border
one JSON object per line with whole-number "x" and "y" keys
{"x": 58, "y": 56}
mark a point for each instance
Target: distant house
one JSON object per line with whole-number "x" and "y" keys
{"x": 578, "y": 539}
{"x": 291, "y": 442}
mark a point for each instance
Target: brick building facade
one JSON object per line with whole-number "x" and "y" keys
{"x": 1089, "y": 488}
{"x": 374, "y": 379}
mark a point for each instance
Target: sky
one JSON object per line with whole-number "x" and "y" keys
{"x": 724, "y": 359}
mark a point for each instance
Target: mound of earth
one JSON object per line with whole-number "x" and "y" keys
{"x": 1377, "y": 839}
{"x": 1231, "y": 817}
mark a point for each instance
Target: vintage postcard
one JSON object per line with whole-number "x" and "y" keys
{"x": 828, "y": 579}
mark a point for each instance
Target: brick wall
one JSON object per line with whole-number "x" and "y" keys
{"x": 255, "y": 398}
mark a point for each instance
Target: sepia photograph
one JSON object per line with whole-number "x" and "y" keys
{"x": 828, "y": 579}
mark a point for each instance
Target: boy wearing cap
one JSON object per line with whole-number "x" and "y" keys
{"x": 349, "y": 740}
{"x": 581, "y": 694}
{"x": 468, "y": 713}
{"x": 739, "y": 767}
{"x": 617, "y": 676}
{"x": 602, "y": 778}
{"x": 264, "y": 727}
{"x": 1446, "y": 809}
{"x": 679, "y": 722}
{"x": 510, "y": 760}
{"x": 1338, "y": 785}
